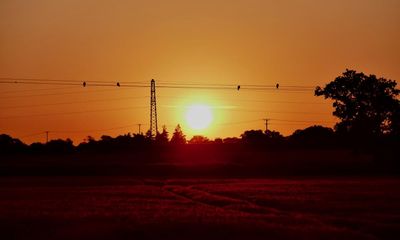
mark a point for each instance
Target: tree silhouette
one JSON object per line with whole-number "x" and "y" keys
{"x": 367, "y": 105}
{"x": 178, "y": 137}
{"x": 274, "y": 135}
{"x": 89, "y": 139}
{"x": 60, "y": 146}
{"x": 313, "y": 136}
{"x": 148, "y": 134}
{"x": 162, "y": 137}
{"x": 9, "y": 144}
{"x": 198, "y": 139}
{"x": 253, "y": 136}
{"x": 258, "y": 137}
{"x": 231, "y": 140}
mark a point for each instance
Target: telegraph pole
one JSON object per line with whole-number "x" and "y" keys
{"x": 153, "y": 110}
{"x": 266, "y": 124}
{"x": 47, "y": 137}
{"x": 139, "y": 125}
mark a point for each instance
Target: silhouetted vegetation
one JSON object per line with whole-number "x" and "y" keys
{"x": 314, "y": 150}
{"x": 315, "y": 136}
{"x": 367, "y": 106}
{"x": 198, "y": 139}
{"x": 365, "y": 140}
{"x": 258, "y": 137}
{"x": 178, "y": 137}
{"x": 11, "y": 145}
{"x": 162, "y": 138}
{"x": 60, "y": 146}
{"x": 110, "y": 144}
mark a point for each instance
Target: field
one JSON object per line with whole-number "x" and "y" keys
{"x": 132, "y": 208}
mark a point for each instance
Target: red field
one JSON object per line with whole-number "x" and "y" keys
{"x": 128, "y": 208}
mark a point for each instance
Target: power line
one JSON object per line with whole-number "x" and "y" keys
{"x": 69, "y": 113}
{"x": 299, "y": 121}
{"x": 250, "y": 100}
{"x": 234, "y": 88}
{"x": 161, "y": 82}
{"x": 274, "y": 122}
{"x": 281, "y": 120}
{"x": 41, "y": 83}
{"x": 233, "y": 85}
{"x": 253, "y": 87}
{"x": 34, "y": 90}
{"x": 127, "y": 98}
{"x": 62, "y": 93}
{"x": 73, "y": 102}
{"x": 98, "y": 130}
{"x": 237, "y": 123}
{"x": 141, "y": 107}
{"x": 17, "y": 80}
{"x": 263, "y": 110}
{"x": 272, "y": 111}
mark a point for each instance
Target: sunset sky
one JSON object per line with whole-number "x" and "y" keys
{"x": 301, "y": 43}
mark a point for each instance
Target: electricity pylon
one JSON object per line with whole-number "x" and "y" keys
{"x": 153, "y": 110}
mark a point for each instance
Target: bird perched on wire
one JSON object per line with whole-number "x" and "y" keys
{"x": 84, "y": 84}
{"x": 238, "y": 87}
{"x": 277, "y": 85}
{"x": 118, "y": 84}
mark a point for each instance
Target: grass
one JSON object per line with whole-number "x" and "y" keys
{"x": 132, "y": 208}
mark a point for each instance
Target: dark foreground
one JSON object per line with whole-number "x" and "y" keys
{"x": 129, "y": 208}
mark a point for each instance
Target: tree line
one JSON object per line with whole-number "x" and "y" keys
{"x": 368, "y": 109}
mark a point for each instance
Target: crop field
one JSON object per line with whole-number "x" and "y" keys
{"x": 132, "y": 208}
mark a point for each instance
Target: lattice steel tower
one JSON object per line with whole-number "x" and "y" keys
{"x": 153, "y": 110}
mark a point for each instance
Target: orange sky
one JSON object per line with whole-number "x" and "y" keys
{"x": 298, "y": 42}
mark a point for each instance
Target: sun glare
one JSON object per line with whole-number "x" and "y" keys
{"x": 199, "y": 116}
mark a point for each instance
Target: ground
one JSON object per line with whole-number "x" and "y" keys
{"x": 131, "y": 208}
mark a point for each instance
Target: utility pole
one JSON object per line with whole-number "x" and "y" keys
{"x": 266, "y": 124}
{"x": 139, "y": 125}
{"x": 153, "y": 110}
{"x": 47, "y": 137}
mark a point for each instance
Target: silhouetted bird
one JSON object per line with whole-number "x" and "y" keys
{"x": 238, "y": 87}
{"x": 84, "y": 84}
{"x": 277, "y": 85}
{"x": 118, "y": 84}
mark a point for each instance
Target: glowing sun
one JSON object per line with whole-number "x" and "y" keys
{"x": 199, "y": 116}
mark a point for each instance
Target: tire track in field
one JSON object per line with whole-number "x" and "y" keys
{"x": 219, "y": 201}
{"x": 227, "y": 203}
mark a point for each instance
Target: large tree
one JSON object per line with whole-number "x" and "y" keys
{"x": 366, "y": 105}
{"x": 178, "y": 137}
